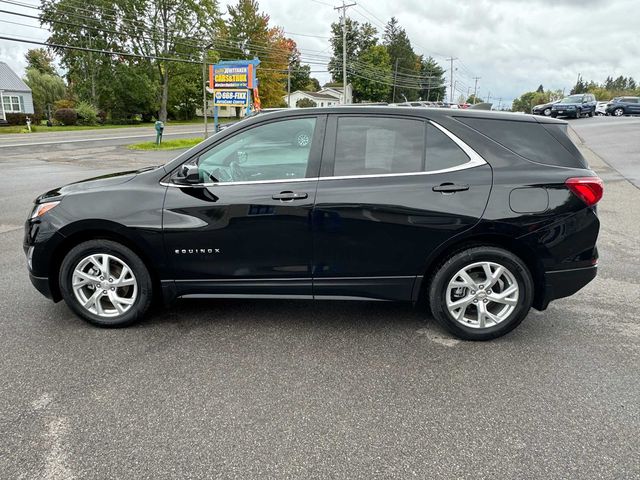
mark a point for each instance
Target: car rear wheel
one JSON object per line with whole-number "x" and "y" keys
{"x": 481, "y": 293}
{"x": 105, "y": 283}
{"x": 618, "y": 112}
{"x": 591, "y": 113}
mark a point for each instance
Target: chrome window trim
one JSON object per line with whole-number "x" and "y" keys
{"x": 475, "y": 160}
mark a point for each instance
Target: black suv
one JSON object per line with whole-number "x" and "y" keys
{"x": 480, "y": 215}
{"x": 575, "y": 106}
{"x": 623, "y": 106}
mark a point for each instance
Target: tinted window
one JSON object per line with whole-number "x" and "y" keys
{"x": 274, "y": 151}
{"x": 546, "y": 144}
{"x": 442, "y": 152}
{"x": 631, "y": 100}
{"x": 369, "y": 146}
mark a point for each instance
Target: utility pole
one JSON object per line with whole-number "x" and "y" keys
{"x": 344, "y": 47}
{"x": 395, "y": 77}
{"x": 204, "y": 91}
{"x": 451, "y": 78}
{"x": 489, "y": 97}
{"x": 289, "y": 85}
{"x": 475, "y": 89}
{"x": 499, "y": 103}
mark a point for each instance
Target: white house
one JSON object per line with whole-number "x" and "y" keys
{"x": 15, "y": 95}
{"x": 325, "y": 97}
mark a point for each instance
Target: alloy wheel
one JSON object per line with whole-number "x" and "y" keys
{"x": 618, "y": 112}
{"x": 104, "y": 285}
{"x": 482, "y": 295}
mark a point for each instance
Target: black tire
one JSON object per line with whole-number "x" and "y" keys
{"x": 546, "y": 112}
{"x": 144, "y": 287}
{"x": 592, "y": 113}
{"x": 578, "y": 113}
{"x": 447, "y": 270}
{"x": 554, "y": 115}
{"x": 618, "y": 112}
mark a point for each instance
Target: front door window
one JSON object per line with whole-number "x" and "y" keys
{"x": 274, "y": 151}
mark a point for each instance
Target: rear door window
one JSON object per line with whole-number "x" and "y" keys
{"x": 379, "y": 145}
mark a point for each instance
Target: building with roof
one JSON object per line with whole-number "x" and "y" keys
{"x": 328, "y": 96}
{"x": 15, "y": 95}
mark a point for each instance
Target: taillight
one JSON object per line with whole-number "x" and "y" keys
{"x": 587, "y": 189}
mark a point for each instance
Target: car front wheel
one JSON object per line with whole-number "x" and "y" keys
{"x": 547, "y": 112}
{"x": 481, "y": 293}
{"x": 105, "y": 283}
{"x": 618, "y": 112}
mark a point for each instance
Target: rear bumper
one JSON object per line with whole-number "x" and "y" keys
{"x": 563, "y": 283}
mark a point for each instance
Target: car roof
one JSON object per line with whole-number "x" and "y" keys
{"x": 427, "y": 112}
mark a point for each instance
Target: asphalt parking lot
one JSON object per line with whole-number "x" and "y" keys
{"x": 293, "y": 389}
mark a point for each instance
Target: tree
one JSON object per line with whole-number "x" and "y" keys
{"x": 375, "y": 68}
{"x": 306, "y": 103}
{"x": 359, "y": 38}
{"x": 40, "y": 60}
{"x": 540, "y": 89}
{"x": 248, "y": 35}
{"x": 432, "y": 80}
{"x": 46, "y": 89}
{"x": 151, "y": 28}
{"x": 313, "y": 85}
{"x": 473, "y": 99}
{"x": 404, "y": 61}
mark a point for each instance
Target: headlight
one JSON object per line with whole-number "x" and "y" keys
{"x": 42, "y": 208}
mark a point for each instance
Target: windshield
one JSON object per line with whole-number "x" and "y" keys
{"x": 572, "y": 99}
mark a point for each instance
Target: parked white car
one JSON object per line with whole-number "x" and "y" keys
{"x": 601, "y": 109}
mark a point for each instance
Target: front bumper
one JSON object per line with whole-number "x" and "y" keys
{"x": 563, "y": 283}
{"x": 568, "y": 112}
{"x": 42, "y": 285}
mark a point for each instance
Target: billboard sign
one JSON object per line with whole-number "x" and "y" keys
{"x": 235, "y": 98}
{"x": 233, "y": 74}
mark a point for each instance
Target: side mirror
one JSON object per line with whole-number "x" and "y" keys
{"x": 188, "y": 174}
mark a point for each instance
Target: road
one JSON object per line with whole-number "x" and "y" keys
{"x": 293, "y": 389}
{"x": 617, "y": 141}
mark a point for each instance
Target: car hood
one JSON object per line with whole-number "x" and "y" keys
{"x": 91, "y": 183}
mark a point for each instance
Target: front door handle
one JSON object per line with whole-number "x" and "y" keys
{"x": 450, "y": 188}
{"x": 288, "y": 196}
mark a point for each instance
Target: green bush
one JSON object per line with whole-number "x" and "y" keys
{"x": 21, "y": 119}
{"x": 66, "y": 116}
{"x": 87, "y": 114}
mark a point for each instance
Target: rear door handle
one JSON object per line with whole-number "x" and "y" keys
{"x": 284, "y": 196}
{"x": 450, "y": 188}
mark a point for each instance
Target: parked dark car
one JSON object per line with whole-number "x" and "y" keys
{"x": 544, "y": 109}
{"x": 479, "y": 215}
{"x": 575, "y": 106}
{"x": 624, "y": 106}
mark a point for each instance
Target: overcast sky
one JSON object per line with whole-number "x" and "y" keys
{"x": 513, "y": 45}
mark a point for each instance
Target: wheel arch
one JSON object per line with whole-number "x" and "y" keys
{"x": 75, "y": 234}
{"x": 513, "y": 245}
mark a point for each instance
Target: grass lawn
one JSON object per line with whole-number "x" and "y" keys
{"x": 167, "y": 144}
{"x": 44, "y": 128}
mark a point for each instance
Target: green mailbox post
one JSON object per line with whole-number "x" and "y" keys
{"x": 159, "y": 130}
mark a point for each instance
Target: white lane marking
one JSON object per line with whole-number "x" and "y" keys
{"x": 435, "y": 337}
{"x": 100, "y": 139}
{"x": 55, "y": 466}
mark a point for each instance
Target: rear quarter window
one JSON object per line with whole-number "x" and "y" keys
{"x": 541, "y": 143}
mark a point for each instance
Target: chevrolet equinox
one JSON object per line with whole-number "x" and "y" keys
{"x": 475, "y": 215}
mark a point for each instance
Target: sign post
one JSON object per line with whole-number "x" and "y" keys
{"x": 234, "y": 84}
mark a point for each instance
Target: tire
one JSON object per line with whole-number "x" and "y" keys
{"x": 546, "y": 112}
{"x": 618, "y": 112}
{"x": 578, "y": 113}
{"x": 446, "y": 285}
{"x": 592, "y": 113}
{"x": 126, "y": 292}
{"x": 554, "y": 115}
